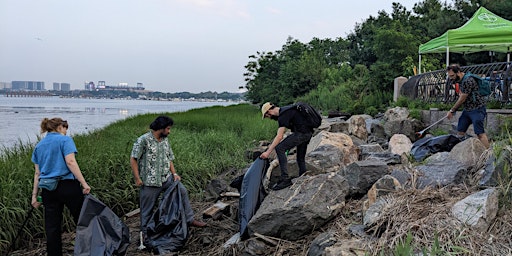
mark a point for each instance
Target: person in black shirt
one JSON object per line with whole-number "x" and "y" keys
{"x": 291, "y": 118}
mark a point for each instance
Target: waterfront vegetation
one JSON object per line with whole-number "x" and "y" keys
{"x": 206, "y": 142}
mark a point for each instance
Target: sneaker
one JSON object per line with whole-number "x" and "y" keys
{"x": 282, "y": 184}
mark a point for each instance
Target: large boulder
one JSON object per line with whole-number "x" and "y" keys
{"x": 468, "y": 151}
{"x": 362, "y": 174}
{"x": 331, "y": 151}
{"x": 478, "y": 210}
{"x": 307, "y": 205}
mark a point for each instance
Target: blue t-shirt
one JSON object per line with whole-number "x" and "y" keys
{"x": 50, "y": 154}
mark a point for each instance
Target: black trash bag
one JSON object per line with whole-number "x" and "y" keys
{"x": 167, "y": 230}
{"x": 425, "y": 147}
{"x": 252, "y": 194}
{"x": 237, "y": 183}
{"x": 100, "y": 231}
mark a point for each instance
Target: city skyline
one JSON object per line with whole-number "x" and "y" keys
{"x": 168, "y": 45}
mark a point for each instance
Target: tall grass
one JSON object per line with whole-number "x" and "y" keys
{"x": 206, "y": 142}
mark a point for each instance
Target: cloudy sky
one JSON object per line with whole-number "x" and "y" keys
{"x": 168, "y": 45}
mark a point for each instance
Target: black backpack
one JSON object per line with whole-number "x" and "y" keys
{"x": 312, "y": 116}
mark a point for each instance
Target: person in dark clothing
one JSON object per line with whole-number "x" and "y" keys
{"x": 54, "y": 158}
{"x": 287, "y": 118}
{"x": 474, "y": 111}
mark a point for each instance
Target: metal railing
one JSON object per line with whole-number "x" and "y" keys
{"x": 436, "y": 87}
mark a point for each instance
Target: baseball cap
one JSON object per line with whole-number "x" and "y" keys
{"x": 265, "y": 108}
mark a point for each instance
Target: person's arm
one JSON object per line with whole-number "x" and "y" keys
{"x": 273, "y": 145}
{"x": 135, "y": 171}
{"x": 35, "y": 189}
{"x": 462, "y": 98}
{"x": 75, "y": 169}
{"x": 173, "y": 172}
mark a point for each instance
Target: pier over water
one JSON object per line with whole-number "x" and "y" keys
{"x": 26, "y": 94}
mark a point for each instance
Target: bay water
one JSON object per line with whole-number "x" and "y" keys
{"x": 20, "y": 117}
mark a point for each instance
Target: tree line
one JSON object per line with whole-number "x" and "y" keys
{"x": 355, "y": 74}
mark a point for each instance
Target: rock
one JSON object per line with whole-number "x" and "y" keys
{"x": 383, "y": 186}
{"x": 396, "y": 114}
{"x": 347, "y": 247}
{"x": 362, "y": 174}
{"x": 357, "y": 127}
{"x": 440, "y": 174}
{"x": 468, "y": 152}
{"x": 294, "y": 212}
{"x": 321, "y": 242}
{"x": 331, "y": 151}
{"x": 478, "y": 210}
{"x": 399, "y": 144}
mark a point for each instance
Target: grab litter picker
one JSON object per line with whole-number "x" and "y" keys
{"x": 421, "y": 133}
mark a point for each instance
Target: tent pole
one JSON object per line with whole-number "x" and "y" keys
{"x": 508, "y": 54}
{"x": 419, "y": 65}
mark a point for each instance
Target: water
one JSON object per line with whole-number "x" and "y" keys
{"x": 21, "y": 117}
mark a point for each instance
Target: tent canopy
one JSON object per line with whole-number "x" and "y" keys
{"x": 485, "y": 31}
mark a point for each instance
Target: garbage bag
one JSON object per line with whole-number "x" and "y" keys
{"x": 167, "y": 230}
{"x": 425, "y": 147}
{"x": 252, "y": 193}
{"x": 100, "y": 231}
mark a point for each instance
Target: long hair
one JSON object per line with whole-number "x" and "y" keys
{"x": 51, "y": 125}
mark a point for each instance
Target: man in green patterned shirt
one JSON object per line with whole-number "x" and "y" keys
{"x": 151, "y": 161}
{"x": 474, "y": 111}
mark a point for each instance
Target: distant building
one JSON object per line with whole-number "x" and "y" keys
{"x": 5, "y": 85}
{"x": 28, "y": 85}
{"x": 89, "y": 86}
{"x": 66, "y": 87}
{"x": 56, "y": 86}
{"x": 102, "y": 85}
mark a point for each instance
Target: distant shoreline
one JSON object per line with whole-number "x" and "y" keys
{"x": 23, "y": 115}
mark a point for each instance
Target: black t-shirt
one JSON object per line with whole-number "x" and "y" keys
{"x": 292, "y": 119}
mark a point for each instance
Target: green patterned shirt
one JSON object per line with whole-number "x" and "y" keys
{"x": 474, "y": 100}
{"x": 153, "y": 158}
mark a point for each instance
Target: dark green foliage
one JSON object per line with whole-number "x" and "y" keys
{"x": 328, "y": 74}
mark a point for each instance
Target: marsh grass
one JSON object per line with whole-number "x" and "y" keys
{"x": 206, "y": 142}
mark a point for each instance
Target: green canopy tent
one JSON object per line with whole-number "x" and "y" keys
{"x": 485, "y": 31}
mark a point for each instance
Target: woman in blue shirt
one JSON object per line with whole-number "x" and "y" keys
{"x": 54, "y": 158}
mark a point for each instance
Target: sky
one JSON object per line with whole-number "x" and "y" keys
{"x": 167, "y": 45}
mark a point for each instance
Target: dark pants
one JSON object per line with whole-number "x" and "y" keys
{"x": 299, "y": 140}
{"x": 68, "y": 193}
{"x": 148, "y": 197}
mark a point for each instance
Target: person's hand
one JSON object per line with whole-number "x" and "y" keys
{"x": 449, "y": 115}
{"x": 35, "y": 203}
{"x": 138, "y": 182}
{"x": 176, "y": 177}
{"x": 264, "y": 155}
{"x": 85, "y": 188}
